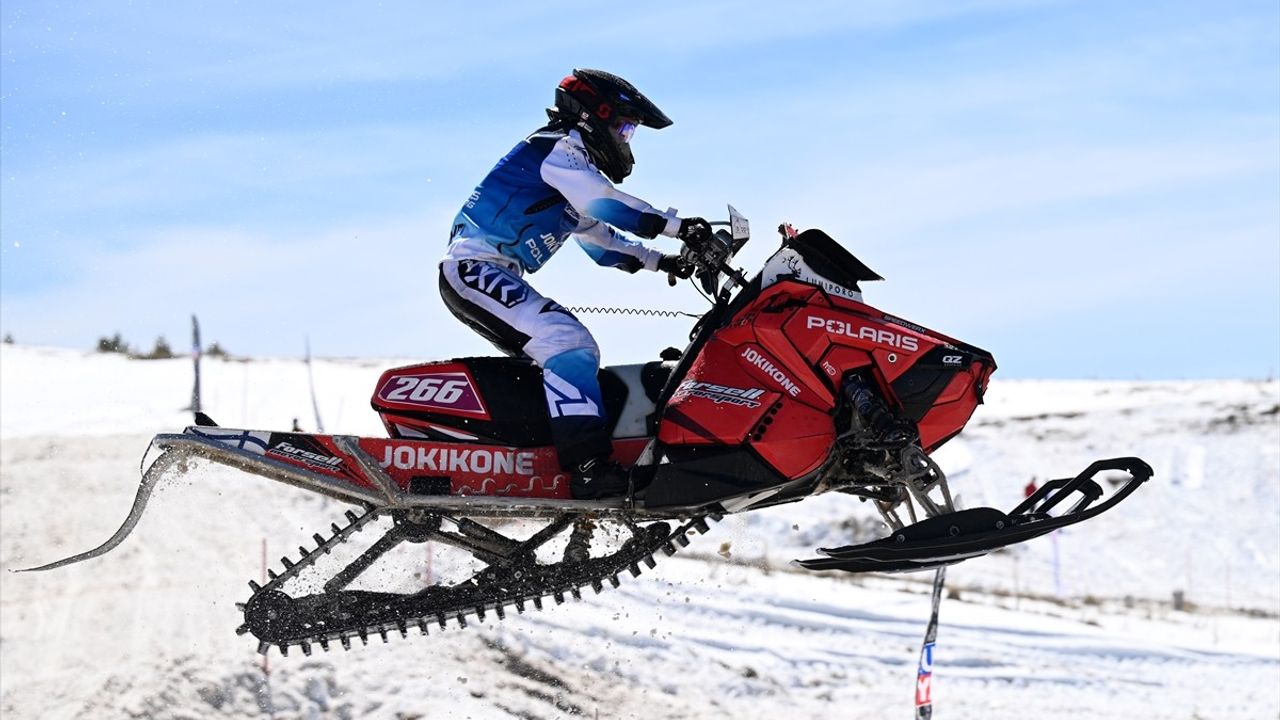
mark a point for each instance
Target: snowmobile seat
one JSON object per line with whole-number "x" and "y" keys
{"x": 509, "y": 405}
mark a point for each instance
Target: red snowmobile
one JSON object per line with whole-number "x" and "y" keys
{"x": 790, "y": 386}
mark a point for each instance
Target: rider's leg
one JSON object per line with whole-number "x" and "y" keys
{"x": 506, "y": 310}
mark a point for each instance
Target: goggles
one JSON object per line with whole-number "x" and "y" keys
{"x": 625, "y": 127}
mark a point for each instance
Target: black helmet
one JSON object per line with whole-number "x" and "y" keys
{"x": 605, "y": 109}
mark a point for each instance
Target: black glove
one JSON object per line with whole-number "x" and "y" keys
{"x": 695, "y": 232}
{"x": 674, "y": 265}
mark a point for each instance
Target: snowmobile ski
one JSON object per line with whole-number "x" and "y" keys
{"x": 949, "y": 538}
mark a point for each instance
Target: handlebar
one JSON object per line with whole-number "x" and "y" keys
{"x": 711, "y": 260}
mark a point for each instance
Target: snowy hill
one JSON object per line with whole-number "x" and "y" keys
{"x": 146, "y": 631}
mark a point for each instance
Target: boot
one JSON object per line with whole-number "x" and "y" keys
{"x": 599, "y": 478}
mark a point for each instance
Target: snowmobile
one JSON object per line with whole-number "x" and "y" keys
{"x": 790, "y": 386}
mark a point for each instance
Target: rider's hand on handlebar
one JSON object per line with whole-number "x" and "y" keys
{"x": 675, "y": 266}
{"x": 694, "y": 232}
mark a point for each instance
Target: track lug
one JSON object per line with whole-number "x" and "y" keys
{"x": 305, "y": 553}
{"x": 254, "y": 586}
{"x": 306, "y": 649}
{"x": 462, "y": 621}
{"x": 440, "y": 619}
{"x": 284, "y": 649}
{"x": 614, "y": 580}
{"x": 242, "y": 629}
{"x": 319, "y": 540}
{"x": 701, "y": 526}
{"x": 577, "y": 593}
{"x": 597, "y": 586}
{"x": 649, "y": 561}
{"x": 346, "y": 642}
{"x": 263, "y": 648}
{"x": 520, "y": 606}
{"x": 324, "y": 644}
{"x": 286, "y": 562}
{"x": 422, "y": 625}
{"x": 682, "y": 540}
{"x": 634, "y": 568}
{"x": 559, "y": 598}
{"x": 382, "y": 631}
{"x": 364, "y": 635}
{"x": 403, "y": 627}
{"x": 350, "y": 515}
{"x": 537, "y": 603}
{"x": 502, "y": 614}
{"x": 272, "y": 574}
{"x": 479, "y": 613}
{"x": 669, "y": 549}
{"x": 240, "y": 607}
{"x": 333, "y": 527}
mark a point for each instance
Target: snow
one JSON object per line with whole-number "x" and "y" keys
{"x": 146, "y": 631}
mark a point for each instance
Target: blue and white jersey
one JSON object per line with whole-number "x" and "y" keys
{"x": 544, "y": 190}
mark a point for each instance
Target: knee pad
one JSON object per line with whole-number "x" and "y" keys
{"x": 571, "y": 383}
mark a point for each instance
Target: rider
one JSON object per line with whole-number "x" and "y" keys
{"x": 555, "y": 183}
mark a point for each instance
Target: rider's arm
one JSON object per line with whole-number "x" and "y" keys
{"x": 609, "y": 248}
{"x": 569, "y": 171}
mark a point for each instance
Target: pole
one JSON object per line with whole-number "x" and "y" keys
{"x": 195, "y": 361}
{"x": 1057, "y": 566}
{"x": 924, "y": 671}
{"x": 311, "y": 382}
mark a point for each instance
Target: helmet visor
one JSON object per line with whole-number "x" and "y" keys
{"x": 624, "y": 128}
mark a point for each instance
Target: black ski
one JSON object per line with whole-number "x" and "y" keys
{"x": 946, "y": 539}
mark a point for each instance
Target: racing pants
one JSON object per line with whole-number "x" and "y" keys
{"x": 497, "y": 303}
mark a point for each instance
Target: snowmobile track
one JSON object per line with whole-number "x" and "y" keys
{"x": 268, "y": 605}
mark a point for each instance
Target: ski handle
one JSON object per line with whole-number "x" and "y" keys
{"x": 1041, "y": 502}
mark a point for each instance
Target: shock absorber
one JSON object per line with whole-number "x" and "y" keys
{"x": 871, "y": 412}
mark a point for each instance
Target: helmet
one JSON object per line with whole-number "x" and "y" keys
{"x": 606, "y": 110}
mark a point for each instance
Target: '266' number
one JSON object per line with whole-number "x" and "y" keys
{"x": 427, "y": 389}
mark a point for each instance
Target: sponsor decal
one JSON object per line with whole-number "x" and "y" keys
{"x": 505, "y": 288}
{"x": 760, "y": 361}
{"x": 906, "y": 324}
{"x": 924, "y": 677}
{"x": 791, "y": 261}
{"x": 288, "y": 450}
{"x": 454, "y": 460}
{"x": 746, "y": 397}
{"x": 543, "y": 247}
{"x": 444, "y": 390}
{"x": 952, "y": 359}
{"x": 879, "y": 336}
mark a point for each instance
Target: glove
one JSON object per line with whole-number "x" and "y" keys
{"x": 674, "y": 265}
{"x": 694, "y": 232}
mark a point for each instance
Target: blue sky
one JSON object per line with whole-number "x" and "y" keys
{"x": 1087, "y": 189}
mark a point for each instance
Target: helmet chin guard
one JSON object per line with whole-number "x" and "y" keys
{"x": 605, "y": 109}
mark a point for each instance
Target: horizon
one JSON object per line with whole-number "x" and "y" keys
{"x": 181, "y": 352}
